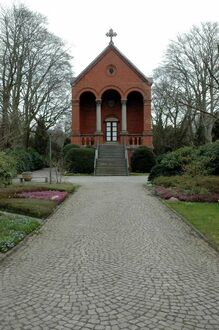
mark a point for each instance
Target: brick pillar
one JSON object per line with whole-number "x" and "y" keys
{"x": 124, "y": 116}
{"x": 147, "y": 133}
{"x": 98, "y": 116}
{"x": 99, "y": 133}
{"x": 76, "y": 122}
{"x": 124, "y": 122}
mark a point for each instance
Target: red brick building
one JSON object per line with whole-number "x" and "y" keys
{"x": 111, "y": 102}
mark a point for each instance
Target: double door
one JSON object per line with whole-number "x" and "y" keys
{"x": 111, "y": 131}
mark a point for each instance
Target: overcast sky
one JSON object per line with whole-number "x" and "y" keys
{"x": 144, "y": 27}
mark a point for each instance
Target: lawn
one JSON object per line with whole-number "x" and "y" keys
{"x": 203, "y": 216}
{"x": 13, "y": 228}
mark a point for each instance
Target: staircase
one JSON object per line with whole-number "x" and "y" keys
{"x": 111, "y": 160}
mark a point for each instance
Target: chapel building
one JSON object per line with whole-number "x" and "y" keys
{"x": 111, "y": 102}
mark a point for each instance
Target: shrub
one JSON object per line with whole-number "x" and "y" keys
{"x": 29, "y": 160}
{"x": 79, "y": 160}
{"x": 210, "y": 152}
{"x": 197, "y": 166}
{"x": 36, "y": 159}
{"x": 7, "y": 168}
{"x": 190, "y": 161}
{"x": 68, "y": 147}
{"x": 143, "y": 159}
{"x": 173, "y": 163}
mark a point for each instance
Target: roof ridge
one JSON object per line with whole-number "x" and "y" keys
{"x": 97, "y": 58}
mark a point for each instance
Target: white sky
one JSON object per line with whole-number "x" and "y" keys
{"x": 144, "y": 27}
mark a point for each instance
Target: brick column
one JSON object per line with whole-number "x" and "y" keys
{"x": 124, "y": 132}
{"x": 124, "y": 116}
{"x": 98, "y": 116}
{"x": 147, "y": 133}
{"x": 75, "y": 122}
{"x": 98, "y": 133}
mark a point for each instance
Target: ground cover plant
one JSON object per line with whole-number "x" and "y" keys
{"x": 203, "y": 216}
{"x": 13, "y": 228}
{"x": 53, "y": 195}
{"x": 187, "y": 188}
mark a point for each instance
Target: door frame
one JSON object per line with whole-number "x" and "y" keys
{"x": 111, "y": 130}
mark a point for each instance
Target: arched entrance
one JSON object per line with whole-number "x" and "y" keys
{"x": 111, "y": 115}
{"x": 87, "y": 113}
{"x": 135, "y": 117}
{"x": 87, "y": 118}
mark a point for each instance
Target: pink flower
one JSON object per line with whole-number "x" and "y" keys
{"x": 57, "y": 196}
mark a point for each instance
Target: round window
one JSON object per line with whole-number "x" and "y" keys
{"x": 111, "y": 70}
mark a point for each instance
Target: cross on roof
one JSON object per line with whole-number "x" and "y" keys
{"x": 111, "y": 34}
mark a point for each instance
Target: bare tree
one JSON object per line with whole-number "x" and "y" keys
{"x": 187, "y": 80}
{"x": 35, "y": 74}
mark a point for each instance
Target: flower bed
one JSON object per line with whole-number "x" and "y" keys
{"x": 167, "y": 193}
{"x": 53, "y": 195}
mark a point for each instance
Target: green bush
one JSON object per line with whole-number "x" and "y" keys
{"x": 29, "y": 160}
{"x": 79, "y": 160}
{"x": 188, "y": 160}
{"x": 143, "y": 159}
{"x": 68, "y": 147}
{"x": 210, "y": 153}
{"x": 173, "y": 163}
{"x": 7, "y": 168}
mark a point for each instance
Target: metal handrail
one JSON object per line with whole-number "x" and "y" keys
{"x": 127, "y": 159}
{"x": 95, "y": 158}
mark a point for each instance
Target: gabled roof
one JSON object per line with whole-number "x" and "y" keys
{"x": 111, "y": 46}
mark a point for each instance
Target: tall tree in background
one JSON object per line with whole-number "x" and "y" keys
{"x": 41, "y": 138}
{"x": 186, "y": 92}
{"x": 35, "y": 72}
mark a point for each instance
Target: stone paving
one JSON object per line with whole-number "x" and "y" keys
{"x": 112, "y": 257}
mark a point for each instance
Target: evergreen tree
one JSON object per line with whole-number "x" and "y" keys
{"x": 41, "y": 139}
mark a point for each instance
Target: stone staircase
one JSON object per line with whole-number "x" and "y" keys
{"x": 111, "y": 160}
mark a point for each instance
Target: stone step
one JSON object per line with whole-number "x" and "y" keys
{"x": 111, "y": 160}
{"x": 99, "y": 172}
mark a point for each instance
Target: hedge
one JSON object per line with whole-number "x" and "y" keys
{"x": 79, "y": 160}
{"x": 142, "y": 160}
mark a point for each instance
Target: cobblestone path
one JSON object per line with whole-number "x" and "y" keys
{"x": 112, "y": 257}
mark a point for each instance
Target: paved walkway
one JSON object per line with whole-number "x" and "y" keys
{"x": 112, "y": 257}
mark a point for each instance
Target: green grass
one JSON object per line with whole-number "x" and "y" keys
{"x": 13, "y": 228}
{"x": 203, "y": 216}
{"x": 28, "y": 206}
